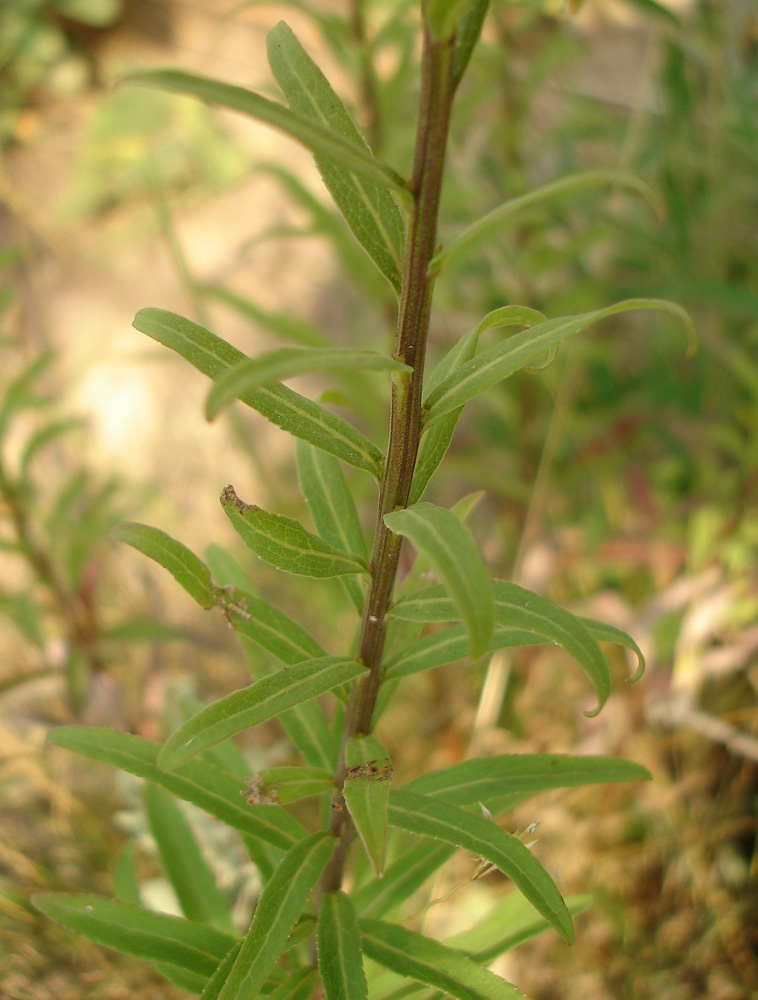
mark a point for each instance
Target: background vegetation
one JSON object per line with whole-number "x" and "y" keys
{"x": 622, "y": 479}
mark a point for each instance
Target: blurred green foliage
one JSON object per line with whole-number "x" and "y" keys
{"x": 39, "y": 52}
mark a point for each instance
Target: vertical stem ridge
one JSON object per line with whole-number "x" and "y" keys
{"x": 435, "y": 104}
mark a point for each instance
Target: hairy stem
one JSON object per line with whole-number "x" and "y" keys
{"x": 435, "y": 103}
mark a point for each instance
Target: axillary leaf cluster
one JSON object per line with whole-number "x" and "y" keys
{"x": 315, "y": 922}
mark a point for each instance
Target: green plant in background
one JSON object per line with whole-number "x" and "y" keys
{"x": 38, "y": 51}
{"x": 336, "y": 878}
{"x": 52, "y": 539}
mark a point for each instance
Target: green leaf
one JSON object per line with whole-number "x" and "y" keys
{"x": 145, "y": 630}
{"x": 367, "y": 790}
{"x": 19, "y": 395}
{"x": 402, "y": 878}
{"x": 252, "y": 705}
{"x": 286, "y": 362}
{"x": 44, "y": 436}
{"x": 485, "y": 227}
{"x": 274, "y": 631}
{"x": 447, "y": 646}
{"x": 510, "y": 922}
{"x": 284, "y": 542}
{"x": 281, "y": 324}
{"x": 467, "y": 33}
{"x": 188, "y": 871}
{"x": 437, "y": 438}
{"x": 292, "y": 412}
{"x": 340, "y": 960}
{"x": 267, "y": 626}
{"x": 289, "y": 783}
{"x": 125, "y": 883}
{"x": 206, "y": 786}
{"x": 322, "y": 141}
{"x": 490, "y": 367}
{"x": 215, "y": 984}
{"x": 612, "y": 633}
{"x": 192, "y": 982}
{"x": 279, "y": 906}
{"x": 225, "y": 569}
{"x": 368, "y": 208}
{"x": 515, "y": 607}
{"x": 445, "y": 542}
{"x": 444, "y": 821}
{"x": 442, "y": 15}
{"x": 187, "y": 569}
{"x": 300, "y": 985}
{"x": 472, "y": 781}
{"x": 135, "y": 931}
{"x": 332, "y": 507}
{"x": 419, "y": 957}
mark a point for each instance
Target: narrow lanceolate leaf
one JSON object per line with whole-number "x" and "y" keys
{"x": 401, "y": 879}
{"x": 340, "y": 960}
{"x": 286, "y": 362}
{"x": 215, "y": 983}
{"x": 289, "y": 410}
{"x": 125, "y": 881}
{"x": 472, "y": 781}
{"x": 267, "y": 626}
{"x": 490, "y": 367}
{"x": 330, "y": 501}
{"x": 367, "y": 206}
{"x": 442, "y": 15}
{"x": 449, "y": 645}
{"x": 252, "y": 705}
{"x": 135, "y": 931}
{"x": 612, "y": 633}
{"x": 188, "y": 570}
{"x": 279, "y": 907}
{"x": 490, "y": 223}
{"x": 445, "y": 542}
{"x": 284, "y": 542}
{"x": 285, "y": 639}
{"x": 189, "y": 873}
{"x": 444, "y": 821}
{"x": 467, "y": 32}
{"x": 515, "y": 607}
{"x": 367, "y": 791}
{"x": 437, "y": 438}
{"x": 510, "y": 922}
{"x": 418, "y": 957}
{"x": 212, "y": 789}
{"x": 289, "y": 783}
{"x": 322, "y": 141}
{"x": 332, "y": 507}
{"x": 299, "y": 985}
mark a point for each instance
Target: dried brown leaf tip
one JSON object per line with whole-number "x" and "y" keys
{"x": 371, "y": 770}
{"x": 257, "y": 794}
{"x": 231, "y": 604}
{"x": 229, "y": 494}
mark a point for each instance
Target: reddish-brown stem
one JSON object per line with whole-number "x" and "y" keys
{"x": 435, "y": 103}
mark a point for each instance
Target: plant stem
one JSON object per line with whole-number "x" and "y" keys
{"x": 435, "y": 103}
